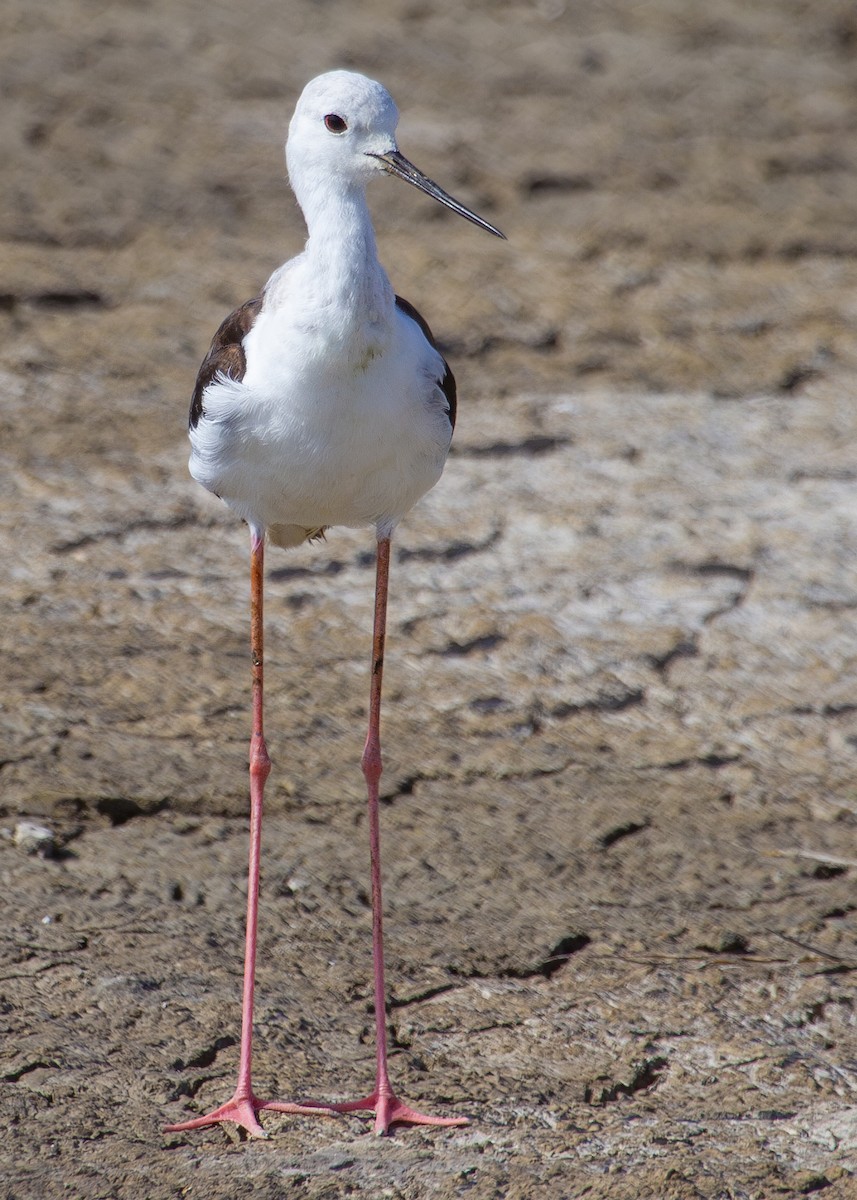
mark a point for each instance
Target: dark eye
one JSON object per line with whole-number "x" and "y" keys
{"x": 335, "y": 124}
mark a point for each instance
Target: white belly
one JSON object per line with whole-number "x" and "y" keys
{"x": 307, "y": 442}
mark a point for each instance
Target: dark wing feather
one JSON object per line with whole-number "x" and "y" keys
{"x": 447, "y": 384}
{"x": 225, "y": 355}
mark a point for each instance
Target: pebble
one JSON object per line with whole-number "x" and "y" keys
{"x": 34, "y": 839}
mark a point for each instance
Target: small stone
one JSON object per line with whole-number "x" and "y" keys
{"x": 35, "y": 839}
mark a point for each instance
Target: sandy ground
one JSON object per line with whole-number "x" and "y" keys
{"x": 621, "y": 723}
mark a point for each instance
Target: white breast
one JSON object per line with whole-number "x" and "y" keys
{"x": 325, "y": 430}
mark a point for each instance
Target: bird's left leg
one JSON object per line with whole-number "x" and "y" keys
{"x": 383, "y": 1102}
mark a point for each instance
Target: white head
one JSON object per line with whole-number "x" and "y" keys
{"x": 343, "y": 133}
{"x": 342, "y": 122}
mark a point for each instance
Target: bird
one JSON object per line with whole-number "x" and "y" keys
{"x": 325, "y": 402}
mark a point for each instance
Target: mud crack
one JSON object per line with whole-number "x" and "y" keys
{"x": 644, "y": 1077}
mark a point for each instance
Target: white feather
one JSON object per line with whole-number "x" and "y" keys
{"x": 339, "y": 418}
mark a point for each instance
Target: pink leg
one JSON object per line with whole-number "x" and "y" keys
{"x": 387, "y": 1107}
{"x": 244, "y": 1105}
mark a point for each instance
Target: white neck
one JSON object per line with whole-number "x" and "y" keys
{"x": 342, "y": 260}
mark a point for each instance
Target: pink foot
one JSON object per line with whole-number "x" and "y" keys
{"x": 388, "y": 1109}
{"x": 242, "y": 1110}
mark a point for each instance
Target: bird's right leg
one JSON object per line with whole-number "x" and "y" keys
{"x": 244, "y": 1104}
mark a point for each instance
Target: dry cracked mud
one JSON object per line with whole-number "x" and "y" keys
{"x": 621, "y": 723}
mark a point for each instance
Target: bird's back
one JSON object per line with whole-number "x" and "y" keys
{"x": 225, "y": 354}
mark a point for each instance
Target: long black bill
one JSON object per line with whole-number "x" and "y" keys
{"x": 397, "y": 164}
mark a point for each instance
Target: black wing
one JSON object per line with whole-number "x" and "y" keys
{"x": 225, "y": 355}
{"x": 447, "y": 384}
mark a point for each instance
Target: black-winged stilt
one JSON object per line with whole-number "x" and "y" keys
{"x": 325, "y": 402}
